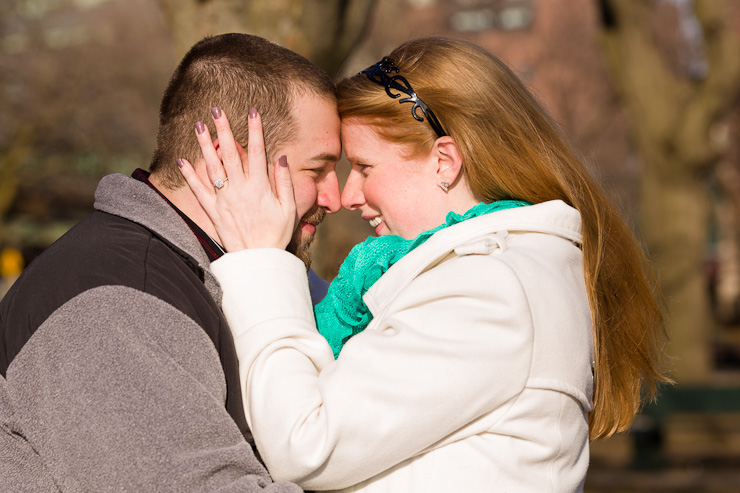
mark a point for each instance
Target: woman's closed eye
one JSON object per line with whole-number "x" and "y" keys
{"x": 362, "y": 168}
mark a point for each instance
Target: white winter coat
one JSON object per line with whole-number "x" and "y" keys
{"x": 474, "y": 375}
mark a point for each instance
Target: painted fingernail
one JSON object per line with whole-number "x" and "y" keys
{"x": 180, "y": 164}
{"x": 283, "y": 161}
{"x": 252, "y": 112}
{"x": 200, "y": 127}
{"x": 216, "y": 112}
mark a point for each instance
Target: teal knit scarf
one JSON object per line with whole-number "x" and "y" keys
{"x": 342, "y": 313}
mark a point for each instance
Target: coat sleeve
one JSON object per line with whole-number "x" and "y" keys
{"x": 118, "y": 390}
{"x": 451, "y": 348}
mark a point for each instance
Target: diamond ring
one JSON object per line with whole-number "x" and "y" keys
{"x": 219, "y": 184}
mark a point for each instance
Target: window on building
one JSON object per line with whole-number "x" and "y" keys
{"x": 482, "y": 15}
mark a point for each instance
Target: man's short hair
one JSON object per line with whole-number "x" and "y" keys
{"x": 234, "y": 72}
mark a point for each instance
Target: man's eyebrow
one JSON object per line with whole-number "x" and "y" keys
{"x": 326, "y": 156}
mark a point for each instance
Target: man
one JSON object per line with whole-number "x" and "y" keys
{"x": 118, "y": 368}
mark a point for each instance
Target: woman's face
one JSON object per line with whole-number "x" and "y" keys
{"x": 396, "y": 195}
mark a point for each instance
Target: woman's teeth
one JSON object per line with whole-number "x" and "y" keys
{"x": 375, "y": 221}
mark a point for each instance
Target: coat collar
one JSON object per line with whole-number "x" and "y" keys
{"x": 554, "y": 217}
{"x": 134, "y": 200}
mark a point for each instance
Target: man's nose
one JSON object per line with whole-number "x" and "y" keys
{"x": 328, "y": 194}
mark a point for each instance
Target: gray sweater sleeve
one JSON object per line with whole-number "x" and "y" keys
{"x": 118, "y": 390}
{"x": 21, "y": 468}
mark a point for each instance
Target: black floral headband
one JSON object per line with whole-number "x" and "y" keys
{"x": 378, "y": 73}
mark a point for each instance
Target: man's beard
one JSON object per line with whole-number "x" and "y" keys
{"x": 300, "y": 244}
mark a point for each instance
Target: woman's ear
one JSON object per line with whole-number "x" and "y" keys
{"x": 449, "y": 160}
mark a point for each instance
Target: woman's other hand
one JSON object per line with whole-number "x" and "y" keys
{"x": 252, "y": 205}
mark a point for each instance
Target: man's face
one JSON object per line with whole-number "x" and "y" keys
{"x": 312, "y": 157}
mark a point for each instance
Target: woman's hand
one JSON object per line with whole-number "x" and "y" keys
{"x": 250, "y": 206}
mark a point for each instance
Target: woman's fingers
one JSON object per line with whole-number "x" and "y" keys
{"x": 210, "y": 154}
{"x": 202, "y": 191}
{"x": 232, "y": 164}
{"x": 284, "y": 188}
{"x": 257, "y": 160}
{"x": 257, "y": 209}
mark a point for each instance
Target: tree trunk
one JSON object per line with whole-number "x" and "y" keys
{"x": 675, "y": 220}
{"x": 727, "y": 287}
{"x": 672, "y": 120}
{"x": 324, "y": 31}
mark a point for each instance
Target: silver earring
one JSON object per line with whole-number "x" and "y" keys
{"x": 444, "y": 185}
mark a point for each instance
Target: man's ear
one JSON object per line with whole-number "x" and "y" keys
{"x": 449, "y": 159}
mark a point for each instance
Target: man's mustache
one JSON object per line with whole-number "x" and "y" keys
{"x": 314, "y": 217}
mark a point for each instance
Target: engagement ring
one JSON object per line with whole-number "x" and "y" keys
{"x": 219, "y": 184}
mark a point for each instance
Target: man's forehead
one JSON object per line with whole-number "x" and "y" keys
{"x": 302, "y": 97}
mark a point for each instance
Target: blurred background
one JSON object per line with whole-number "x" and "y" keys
{"x": 647, "y": 90}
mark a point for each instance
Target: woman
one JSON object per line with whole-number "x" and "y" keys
{"x": 500, "y": 335}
